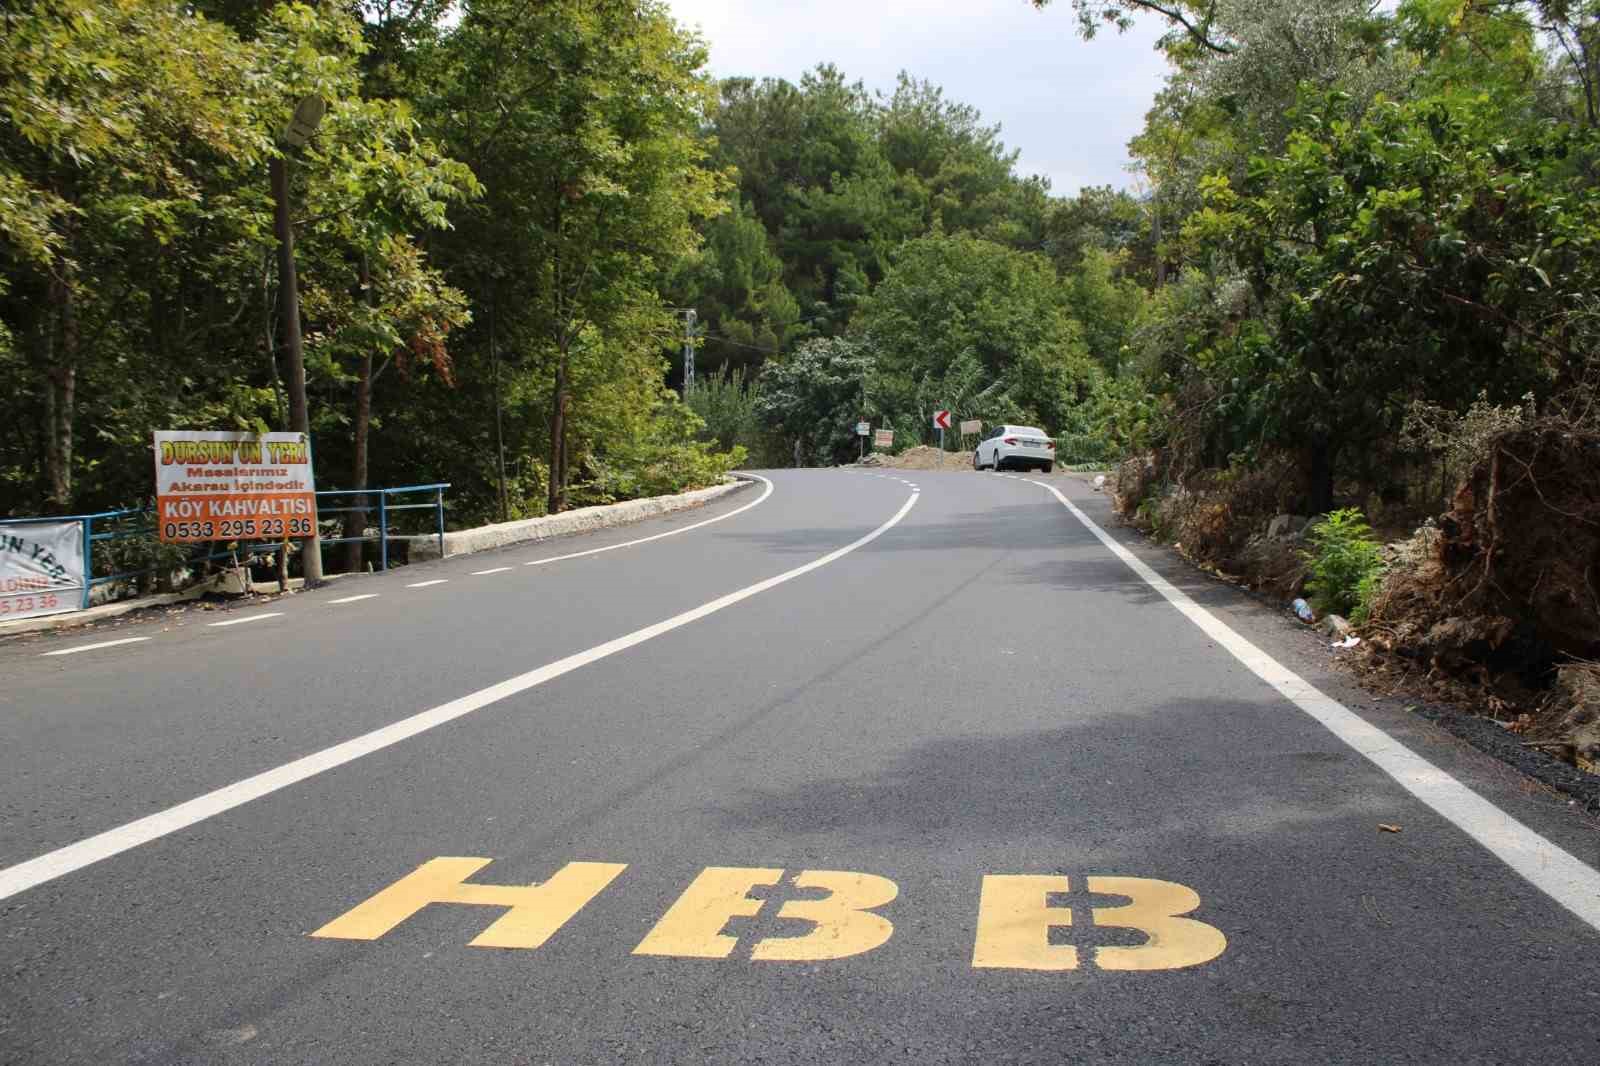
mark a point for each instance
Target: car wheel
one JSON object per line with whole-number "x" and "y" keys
{"x": 975, "y": 465}
{"x": 997, "y": 465}
{"x": 1046, "y": 468}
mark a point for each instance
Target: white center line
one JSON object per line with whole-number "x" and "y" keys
{"x": 353, "y": 599}
{"x": 62, "y": 861}
{"x": 425, "y": 584}
{"x": 252, "y": 618}
{"x": 496, "y": 570}
{"x": 1554, "y": 871}
{"x": 669, "y": 533}
{"x": 92, "y": 647}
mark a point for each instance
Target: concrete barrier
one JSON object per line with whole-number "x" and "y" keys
{"x": 567, "y": 523}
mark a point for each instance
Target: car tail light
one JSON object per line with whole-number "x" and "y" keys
{"x": 1009, "y": 440}
{"x": 1050, "y": 444}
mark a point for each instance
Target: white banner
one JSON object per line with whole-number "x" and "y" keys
{"x": 41, "y": 568}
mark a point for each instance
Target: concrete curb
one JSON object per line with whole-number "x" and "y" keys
{"x": 567, "y": 523}
{"x": 110, "y": 610}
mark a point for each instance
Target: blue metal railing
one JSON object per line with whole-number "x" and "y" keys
{"x": 103, "y": 527}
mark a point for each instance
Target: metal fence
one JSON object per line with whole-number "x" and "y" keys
{"x": 107, "y": 528}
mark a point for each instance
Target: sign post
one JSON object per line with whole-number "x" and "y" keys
{"x": 863, "y": 430}
{"x": 941, "y": 422}
{"x": 233, "y": 486}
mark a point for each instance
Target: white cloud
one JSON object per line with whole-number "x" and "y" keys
{"x": 1068, "y": 105}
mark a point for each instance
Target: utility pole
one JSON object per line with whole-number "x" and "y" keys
{"x": 689, "y": 318}
{"x": 299, "y": 130}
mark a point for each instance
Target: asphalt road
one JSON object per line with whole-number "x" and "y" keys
{"x": 959, "y": 786}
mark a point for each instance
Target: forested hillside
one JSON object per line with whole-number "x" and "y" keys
{"x": 1342, "y": 217}
{"x": 497, "y": 225}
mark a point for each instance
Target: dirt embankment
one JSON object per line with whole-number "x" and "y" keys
{"x": 921, "y": 457}
{"x": 1492, "y": 607}
{"x": 1501, "y": 601}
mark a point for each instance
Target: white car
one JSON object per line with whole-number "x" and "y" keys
{"x": 1016, "y": 447}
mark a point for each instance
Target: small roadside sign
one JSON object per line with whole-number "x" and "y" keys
{"x": 863, "y": 429}
{"x": 973, "y": 426}
{"x": 941, "y": 420}
{"x": 883, "y": 439}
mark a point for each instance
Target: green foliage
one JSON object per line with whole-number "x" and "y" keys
{"x": 966, "y": 322}
{"x": 730, "y": 406}
{"x": 814, "y": 396}
{"x": 1345, "y": 563}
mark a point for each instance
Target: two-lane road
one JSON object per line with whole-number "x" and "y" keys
{"x": 881, "y": 766}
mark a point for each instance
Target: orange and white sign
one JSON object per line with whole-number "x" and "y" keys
{"x": 233, "y": 486}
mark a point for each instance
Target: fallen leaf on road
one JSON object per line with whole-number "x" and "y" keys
{"x": 1387, "y": 828}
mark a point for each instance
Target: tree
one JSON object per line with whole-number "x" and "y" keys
{"x": 582, "y": 120}
{"x": 1394, "y": 258}
{"x": 814, "y": 395}
{"x": 113, "y": 113}
{"x": 735, "y": 283}
{"x": 951, "y": 299}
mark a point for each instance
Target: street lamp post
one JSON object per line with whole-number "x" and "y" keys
{"x": 306, "y": 117}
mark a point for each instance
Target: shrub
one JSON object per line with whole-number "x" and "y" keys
{"x": 1346, "y": 564}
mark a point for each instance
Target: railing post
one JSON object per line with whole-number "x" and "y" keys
{"x": 88, "y": 560}
{"x": 383, "y": 529}
{"x": 438, "y": 508}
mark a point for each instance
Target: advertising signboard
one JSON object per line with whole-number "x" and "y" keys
{"x": 233, "y": 486}
{"x": 41, "y": 568}
{"x": 884, "y": 438}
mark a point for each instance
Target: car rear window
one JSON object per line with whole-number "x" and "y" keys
{"x": 1029, "y": 431}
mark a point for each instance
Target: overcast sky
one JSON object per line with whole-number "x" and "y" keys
{"x": 1068, "y": 105}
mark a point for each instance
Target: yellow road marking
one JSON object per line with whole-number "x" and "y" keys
{"x": 692, "y": 926}
{"x": 1174, "y": 942}
{"x": 535, "y": 912}
{"x": 845, "y": 923}
{"x": 1014, "y": 920}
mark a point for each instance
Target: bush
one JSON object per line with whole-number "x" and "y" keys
{"x": 1346, "y": 564}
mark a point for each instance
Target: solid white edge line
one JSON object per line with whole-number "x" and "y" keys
{"x": 353, "y": 599}
{"x": 92, "y": 647}
{"x": 65, "y": 860}
{"x": 425, "y": 584}
{"x": 242, "y": 621}
{"x": 1553, "y": 870}
{"x": 669, "y": 533}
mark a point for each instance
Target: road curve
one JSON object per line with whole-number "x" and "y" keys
{"x": 961, "y": 787}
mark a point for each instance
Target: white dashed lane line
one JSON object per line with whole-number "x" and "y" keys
{"x": 252, "y": 618}
{"x": 92, "y": 647}
{"x": 442, "y": 580}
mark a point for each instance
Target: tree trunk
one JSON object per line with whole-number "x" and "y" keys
{"x": 294, "y": 350}
{"x": 558, "y": 432}
{"x": 1319, "y": 475}
{"x": 355, "y": 523}
{"x": 62, "y": 384}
